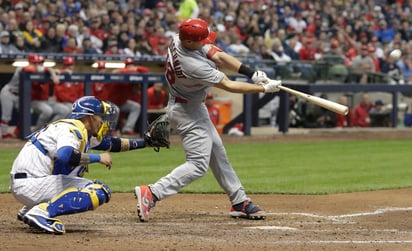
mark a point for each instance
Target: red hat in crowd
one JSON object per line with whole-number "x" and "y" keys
{"x": 35, "y": 58}
{"x": 101, "y": 65}
{"x": 69, "y": 61}
{"x": 128, "y": 61}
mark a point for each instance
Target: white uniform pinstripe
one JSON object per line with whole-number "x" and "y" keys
{"x": 190, "y": 75}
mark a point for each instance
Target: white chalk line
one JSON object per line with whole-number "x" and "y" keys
{"x": 346, "y": 242}
{"x": 343, "y": 216}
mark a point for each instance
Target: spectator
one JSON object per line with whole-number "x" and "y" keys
{"x": 187, "y": 9}
{"x": 237, "y": 48}
{"x": 142, "y": 46}
{"x": 343, "y": 120}
{"x": 5, "y": 46}
{"x": 20, "y": 44}
{"x": 361, "y": 112}
{"x": 277, "y": 53}
{"x": 394, "y": 72}
{"x": 379, "y": 115}
{"x": 66, "y": 93}
{"x": 89, "y": 47}
{"x": 13, "y": 29}
{"x": 406, "y": 67}
{"x": 384, "y": 33}
{"x": 131, "y": 48}
{"x": 71, "y": 46}
{"x": 362, "y": 66}
{"x": 95, "y": 42}
{"x": 112, "y": 47}
{"x": 32, "y": 36}
{"x": 308, "y": 50}
{"x": 50, "y": 42}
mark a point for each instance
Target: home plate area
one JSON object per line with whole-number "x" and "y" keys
{"x": 379, "y": 220}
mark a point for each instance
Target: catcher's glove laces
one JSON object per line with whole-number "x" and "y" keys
{"x": 157, "y": 134}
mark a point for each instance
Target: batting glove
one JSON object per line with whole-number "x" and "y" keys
{"x": 272, "y": 86}
{"x": 260, "y": 77}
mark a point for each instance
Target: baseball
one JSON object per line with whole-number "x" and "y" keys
{"x": 396, "y": 54}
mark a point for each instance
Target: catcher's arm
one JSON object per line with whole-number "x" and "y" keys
{"x": 157, "y": 134}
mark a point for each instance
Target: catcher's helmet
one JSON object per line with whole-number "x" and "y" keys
{"x": 35, "y": 58}
{"x": 69, "y": 60}
{"x": 197, "y": 30}
{"x": 90, "y": 105}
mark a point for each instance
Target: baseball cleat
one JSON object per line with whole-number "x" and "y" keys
{"x": 22, "y": 212}
{"x": 38, "y": 218}
{"x": 20, "y": 216}
{"x": 247, "y": 210}
{"x": 144, "y": 202}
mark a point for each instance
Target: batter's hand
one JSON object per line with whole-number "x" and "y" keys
{"x": 260, "y": 77}
{"x": 272, "y": 86}
{"x": 106, "y": 159}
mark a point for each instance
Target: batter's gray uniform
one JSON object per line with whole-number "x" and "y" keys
{"x": 190, "y": 76}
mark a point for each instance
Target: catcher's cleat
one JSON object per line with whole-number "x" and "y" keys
{"x": 144, "y": 202}
{"x": 20, "y": 216}
{"x": 22, "y": 212}
{"x": 38, "y": 218}
{"x": 247, "y": 210}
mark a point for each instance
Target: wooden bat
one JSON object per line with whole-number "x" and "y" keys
{"x": 327, "y": 104}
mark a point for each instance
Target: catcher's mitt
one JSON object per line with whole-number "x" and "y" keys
{"x": 157, "y": 134}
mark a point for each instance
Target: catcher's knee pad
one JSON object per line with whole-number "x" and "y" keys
{"x": 76, "y": 200}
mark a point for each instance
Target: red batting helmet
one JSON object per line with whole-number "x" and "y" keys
{"x": 128, "y": 61}
{"x": 197, "y": 30}
{"x": 101, "y": 65}
{"x": 34, "y": 58}
{"x": 68, "y": 61}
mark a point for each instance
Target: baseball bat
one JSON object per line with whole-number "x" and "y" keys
{"x": 327, "y": 104}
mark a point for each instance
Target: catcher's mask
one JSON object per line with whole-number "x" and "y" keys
{"x": 90, "y": 105}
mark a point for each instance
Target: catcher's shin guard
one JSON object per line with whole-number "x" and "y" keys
{"x": 76, "y": 200}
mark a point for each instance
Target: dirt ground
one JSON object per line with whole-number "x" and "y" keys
{"x": 376, "y": 220}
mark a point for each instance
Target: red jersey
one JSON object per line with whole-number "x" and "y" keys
{"x": 39, "y": 90}
{"x": 68, "y": 91}
{"x": 119, "y": 93}
{"x": 100, "y": 91}
{"x": 361, "y": 115}
{"x": 343, "y": 120}
{"x": 156, "y": 100}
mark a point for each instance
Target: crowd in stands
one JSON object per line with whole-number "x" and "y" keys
{"x": 278, "y": 30}
{"x": 357, "y": 35}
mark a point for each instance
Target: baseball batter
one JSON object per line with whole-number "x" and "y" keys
{"x": 47, "y": 175}
{"x": 191, "y": 70}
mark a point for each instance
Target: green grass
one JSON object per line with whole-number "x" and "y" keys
{"x": 287, "y": 168}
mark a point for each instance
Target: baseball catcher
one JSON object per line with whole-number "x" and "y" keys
{"x": 157, "y": 134}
